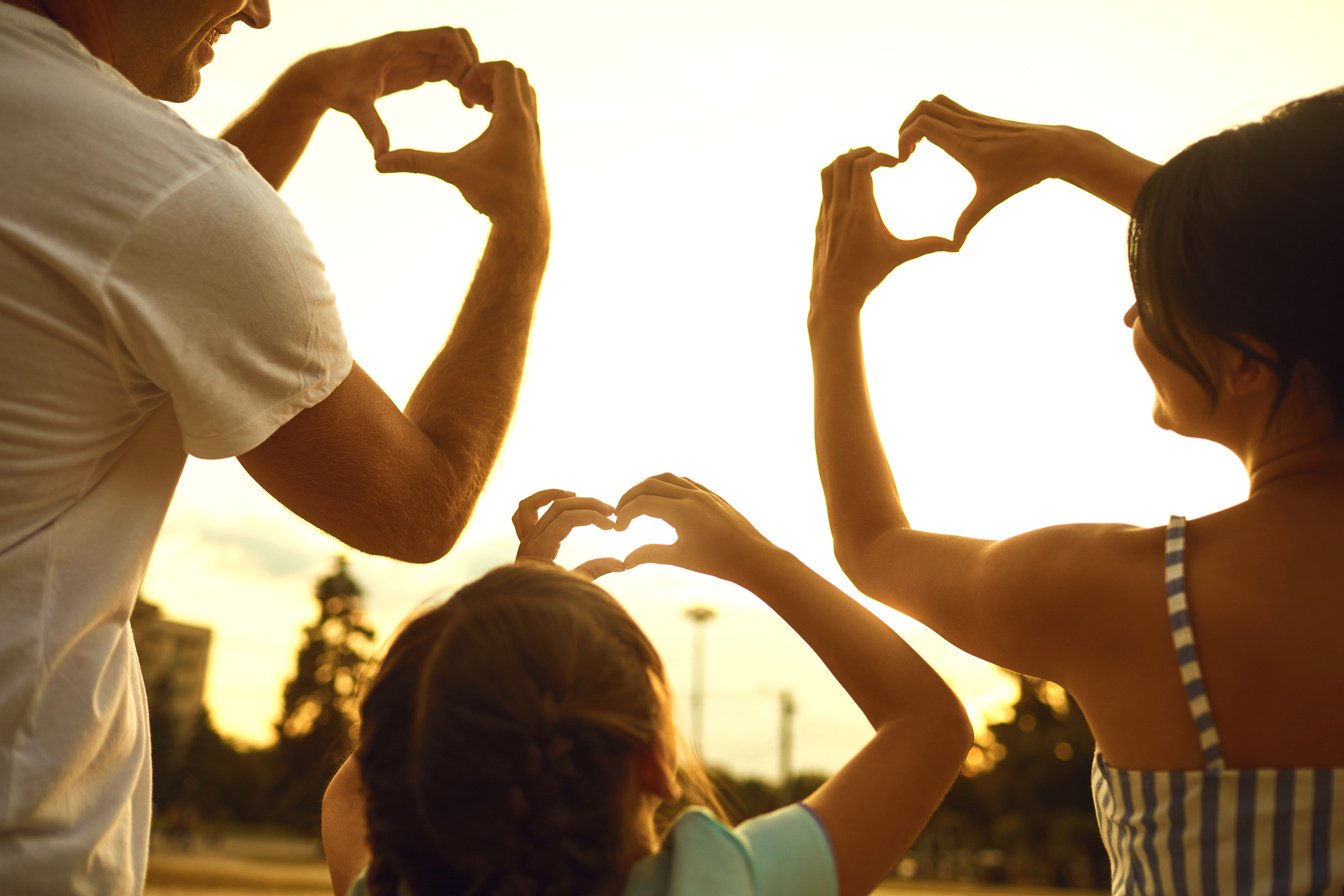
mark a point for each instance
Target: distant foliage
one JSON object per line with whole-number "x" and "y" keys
{"x": 1022, "y": 813}
{"x": 316, "y": 728}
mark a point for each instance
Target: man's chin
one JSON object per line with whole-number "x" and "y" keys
{"x": 177, "y": 87}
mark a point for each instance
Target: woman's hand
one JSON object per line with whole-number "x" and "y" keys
{"x": 854, "y": 249}
{"x": 1005, "y": 157}
{"x": 539, "y": 539}
{"x": 712, "y": 537}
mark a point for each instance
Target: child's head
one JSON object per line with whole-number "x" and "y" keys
{"x": 512, "y": 739}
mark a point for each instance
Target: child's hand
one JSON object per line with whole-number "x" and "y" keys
{"x": 539, "y": 539}
{"x": 712, "y": 537}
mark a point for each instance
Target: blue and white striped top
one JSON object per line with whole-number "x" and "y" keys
{"x": 1217, "y": 830}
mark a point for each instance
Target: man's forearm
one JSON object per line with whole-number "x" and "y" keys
{"x": 274, "y": 132}
{"x": 861, "y": 496}
{"x": 465, "y": 400}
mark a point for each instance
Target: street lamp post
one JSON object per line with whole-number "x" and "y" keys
{"x": 698, "y": 615}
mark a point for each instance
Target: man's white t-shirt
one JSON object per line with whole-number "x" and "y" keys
{"x": 156, "y": 299}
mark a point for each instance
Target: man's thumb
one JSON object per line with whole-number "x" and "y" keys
{"x": 414, "y": 161}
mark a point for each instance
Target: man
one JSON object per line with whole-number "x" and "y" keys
{"x": 158, "y": 299}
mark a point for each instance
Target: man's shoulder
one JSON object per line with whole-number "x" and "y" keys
{"x": 80, "y": 127}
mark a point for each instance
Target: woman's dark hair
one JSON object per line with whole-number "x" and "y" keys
{"x": 496, "y": 740}
{"x": 1242, "y": 235}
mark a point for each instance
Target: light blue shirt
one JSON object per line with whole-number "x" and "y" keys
{"x": 784, "y": 853}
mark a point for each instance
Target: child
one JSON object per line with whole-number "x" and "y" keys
{"x": 518, "y": 738}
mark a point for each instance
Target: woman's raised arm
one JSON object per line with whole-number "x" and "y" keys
{"x": 1006, "y": 157}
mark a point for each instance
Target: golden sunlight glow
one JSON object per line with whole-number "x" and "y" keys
{"x": 683, "y": 143}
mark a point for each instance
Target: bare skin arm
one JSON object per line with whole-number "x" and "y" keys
{"x": 345, "y": 837}
{"x": 403, "y": 484}
{"x": 876, "y": 805}
{"x": 274, "y": 132}
{"x": 1016, "y": 602}
{"x": 1006, "y": 157}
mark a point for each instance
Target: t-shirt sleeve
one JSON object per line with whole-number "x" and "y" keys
{"x": 791, "y": 853}
{"x": 217, "y": 299}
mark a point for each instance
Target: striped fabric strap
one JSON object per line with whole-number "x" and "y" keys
{"x": 1183, "y": 637}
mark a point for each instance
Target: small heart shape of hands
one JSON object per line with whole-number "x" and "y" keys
{"x": 712, "y": 537}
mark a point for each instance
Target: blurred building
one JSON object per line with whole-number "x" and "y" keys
{"x": 173, "y": 657}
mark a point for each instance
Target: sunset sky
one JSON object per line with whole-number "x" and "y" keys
{"x": 682, "y": 145}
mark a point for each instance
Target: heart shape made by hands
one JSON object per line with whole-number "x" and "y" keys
{"x": 924, "y": 195}
{"x": 432, "y": 116}
{"x": 587, "y": 543}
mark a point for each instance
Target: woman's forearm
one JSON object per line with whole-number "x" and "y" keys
{"x": 1091, "y": 162}
{"x": 861, "y": 497}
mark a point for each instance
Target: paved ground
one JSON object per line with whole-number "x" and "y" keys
{"x": 284, "y": 867}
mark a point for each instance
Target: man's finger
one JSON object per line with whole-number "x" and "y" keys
{"x": 475, "y": 88}
{"x": 507, "y": 87}
{"x": 470, "y": 45}
{"x": 414, "y": 161}
{"x": 371, "y": 123}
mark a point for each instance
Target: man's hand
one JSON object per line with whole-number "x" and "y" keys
{"x": 351, "y": 79}
{"x": 854, "y": 250}
{"x": 539, "y": 539}
{"x": 499, "y": 172}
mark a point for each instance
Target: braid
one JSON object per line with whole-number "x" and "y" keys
{"x": 498, "y": 737}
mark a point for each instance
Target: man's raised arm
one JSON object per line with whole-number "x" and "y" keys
{"x": 403, "y": 484}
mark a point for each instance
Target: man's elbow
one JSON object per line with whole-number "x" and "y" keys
{"x": 427, "y": 541}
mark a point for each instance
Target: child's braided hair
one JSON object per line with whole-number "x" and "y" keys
{"x": 497, "y": 740}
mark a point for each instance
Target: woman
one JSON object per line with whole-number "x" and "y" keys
{"x": 1220, "y": 757}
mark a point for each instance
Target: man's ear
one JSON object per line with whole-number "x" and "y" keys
{"x": 1246, "y": 368}
{"x": 656, "y": 771}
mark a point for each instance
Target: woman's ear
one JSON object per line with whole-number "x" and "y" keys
{"x": 656, "y": 771}
{"x": 1247, "y": 368}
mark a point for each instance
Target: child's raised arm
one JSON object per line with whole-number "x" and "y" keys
{"x": 876, "y": 805}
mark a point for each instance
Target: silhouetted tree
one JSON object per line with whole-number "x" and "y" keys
{"x": 1023, "y": 811}
{"x": 314, "y": 733}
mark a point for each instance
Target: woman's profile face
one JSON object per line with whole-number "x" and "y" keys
{"x": 1180, "y": 404}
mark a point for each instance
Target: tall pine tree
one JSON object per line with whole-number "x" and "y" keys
{"x": 315, "y": 731}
